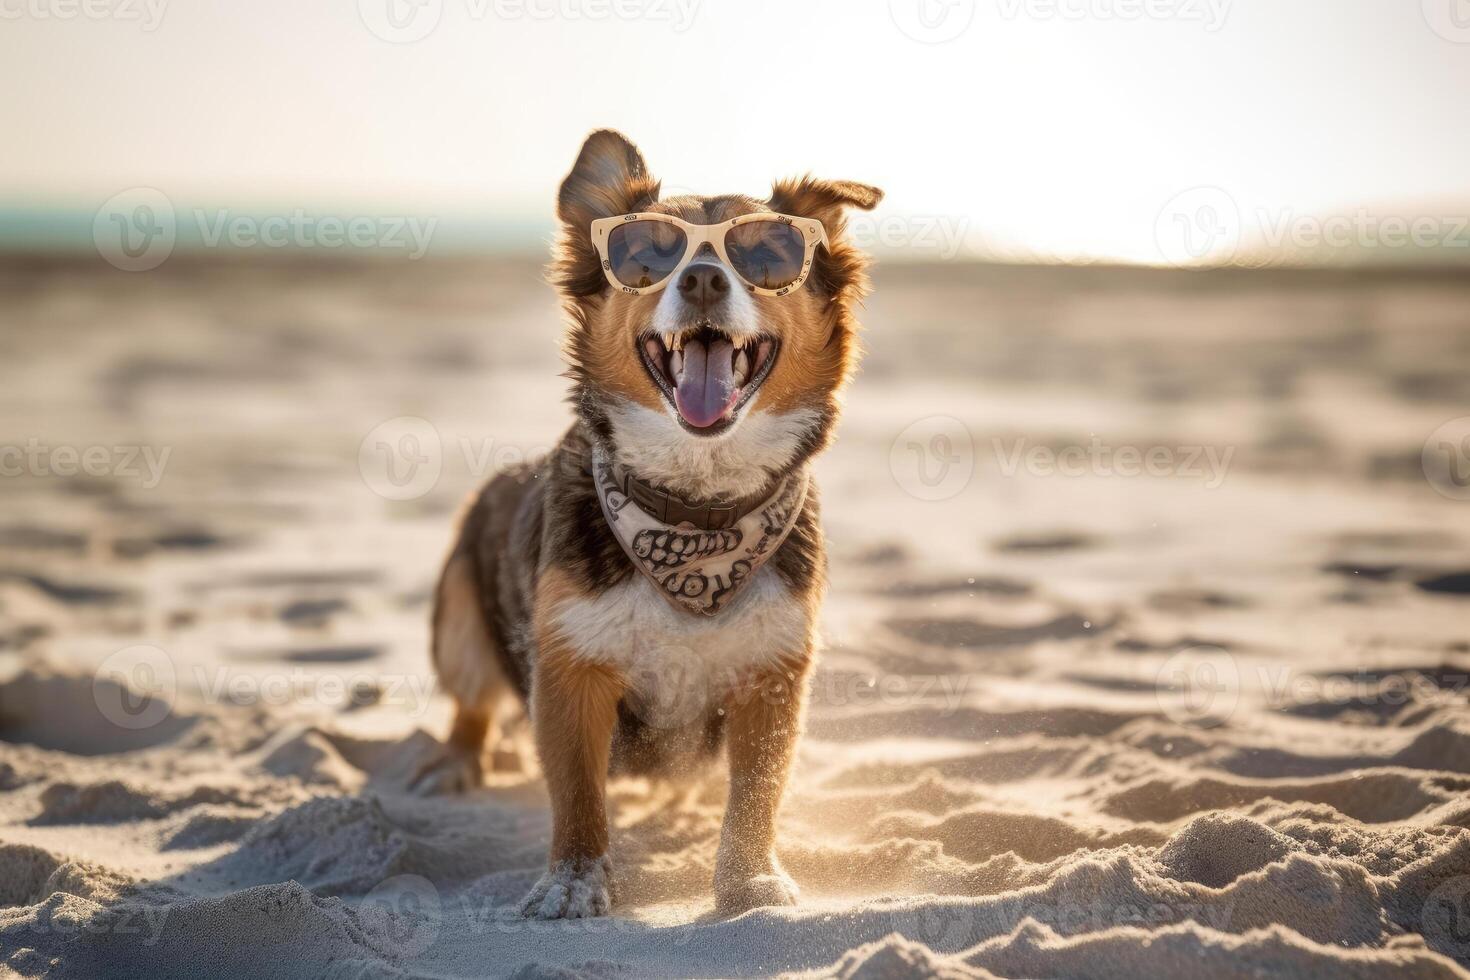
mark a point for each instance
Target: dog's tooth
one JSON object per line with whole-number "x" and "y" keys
{"x": 676, "y": 365}
{"x": 742, "y": 367}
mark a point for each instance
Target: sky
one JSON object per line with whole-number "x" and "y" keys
{"x": 1043, "y": 128}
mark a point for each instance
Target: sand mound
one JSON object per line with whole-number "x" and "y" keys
{"x": 1188, "y": 949}
{"x": 1216, "y": 849}
{"x": 895, "y": 958}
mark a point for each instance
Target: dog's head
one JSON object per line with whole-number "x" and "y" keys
{"x": 706, "y": 386}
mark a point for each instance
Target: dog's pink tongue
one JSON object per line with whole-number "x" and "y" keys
{"x": 706, "y": 389}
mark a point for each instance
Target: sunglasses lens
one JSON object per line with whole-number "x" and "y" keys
{"x": 643, "y": 253}
{"x": 768, "y": 254}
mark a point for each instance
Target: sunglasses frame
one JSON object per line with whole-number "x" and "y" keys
{"x": 812, "y": 233}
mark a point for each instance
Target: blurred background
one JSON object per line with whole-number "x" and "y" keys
{"x": 1032, "y": 130}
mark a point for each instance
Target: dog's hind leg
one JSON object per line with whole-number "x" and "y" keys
{"x": 469, "y": 670}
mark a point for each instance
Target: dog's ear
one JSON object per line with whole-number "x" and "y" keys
{"x": 839, "y": 269}
{"x": 608, "y": 178}
{"x": 809, "y": 197}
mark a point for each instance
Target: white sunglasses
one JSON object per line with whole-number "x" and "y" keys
{"x": 772, "y": 253}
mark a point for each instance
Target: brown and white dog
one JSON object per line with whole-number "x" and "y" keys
{"x": 540, "y": 597}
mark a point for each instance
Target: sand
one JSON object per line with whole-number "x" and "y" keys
{"x": 1205, "y": 721}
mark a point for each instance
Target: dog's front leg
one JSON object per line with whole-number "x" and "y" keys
{"x": 764, "y": 721}
{"x": 573, "y": 711}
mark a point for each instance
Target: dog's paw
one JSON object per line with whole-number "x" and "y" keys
{"x": 757, "y": 891}
{"x": 571, "y": 890}
{"x": 449, "y": 770}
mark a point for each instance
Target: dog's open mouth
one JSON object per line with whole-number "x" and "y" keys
{"x": 707, "y": 375}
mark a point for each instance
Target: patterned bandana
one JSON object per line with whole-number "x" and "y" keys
{"x": 698, "y": 571}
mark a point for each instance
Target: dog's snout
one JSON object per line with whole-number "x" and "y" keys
{"x": 703, "y": 284}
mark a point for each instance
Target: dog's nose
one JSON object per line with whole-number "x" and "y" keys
{"x": 703, "y": 284}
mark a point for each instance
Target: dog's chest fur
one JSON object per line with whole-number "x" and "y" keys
{"x": 674, "y": 662}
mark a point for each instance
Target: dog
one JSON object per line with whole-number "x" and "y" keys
{"x": 650, "y": 590}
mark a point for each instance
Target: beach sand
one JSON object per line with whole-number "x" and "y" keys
{"x": 1145, "y": 653}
